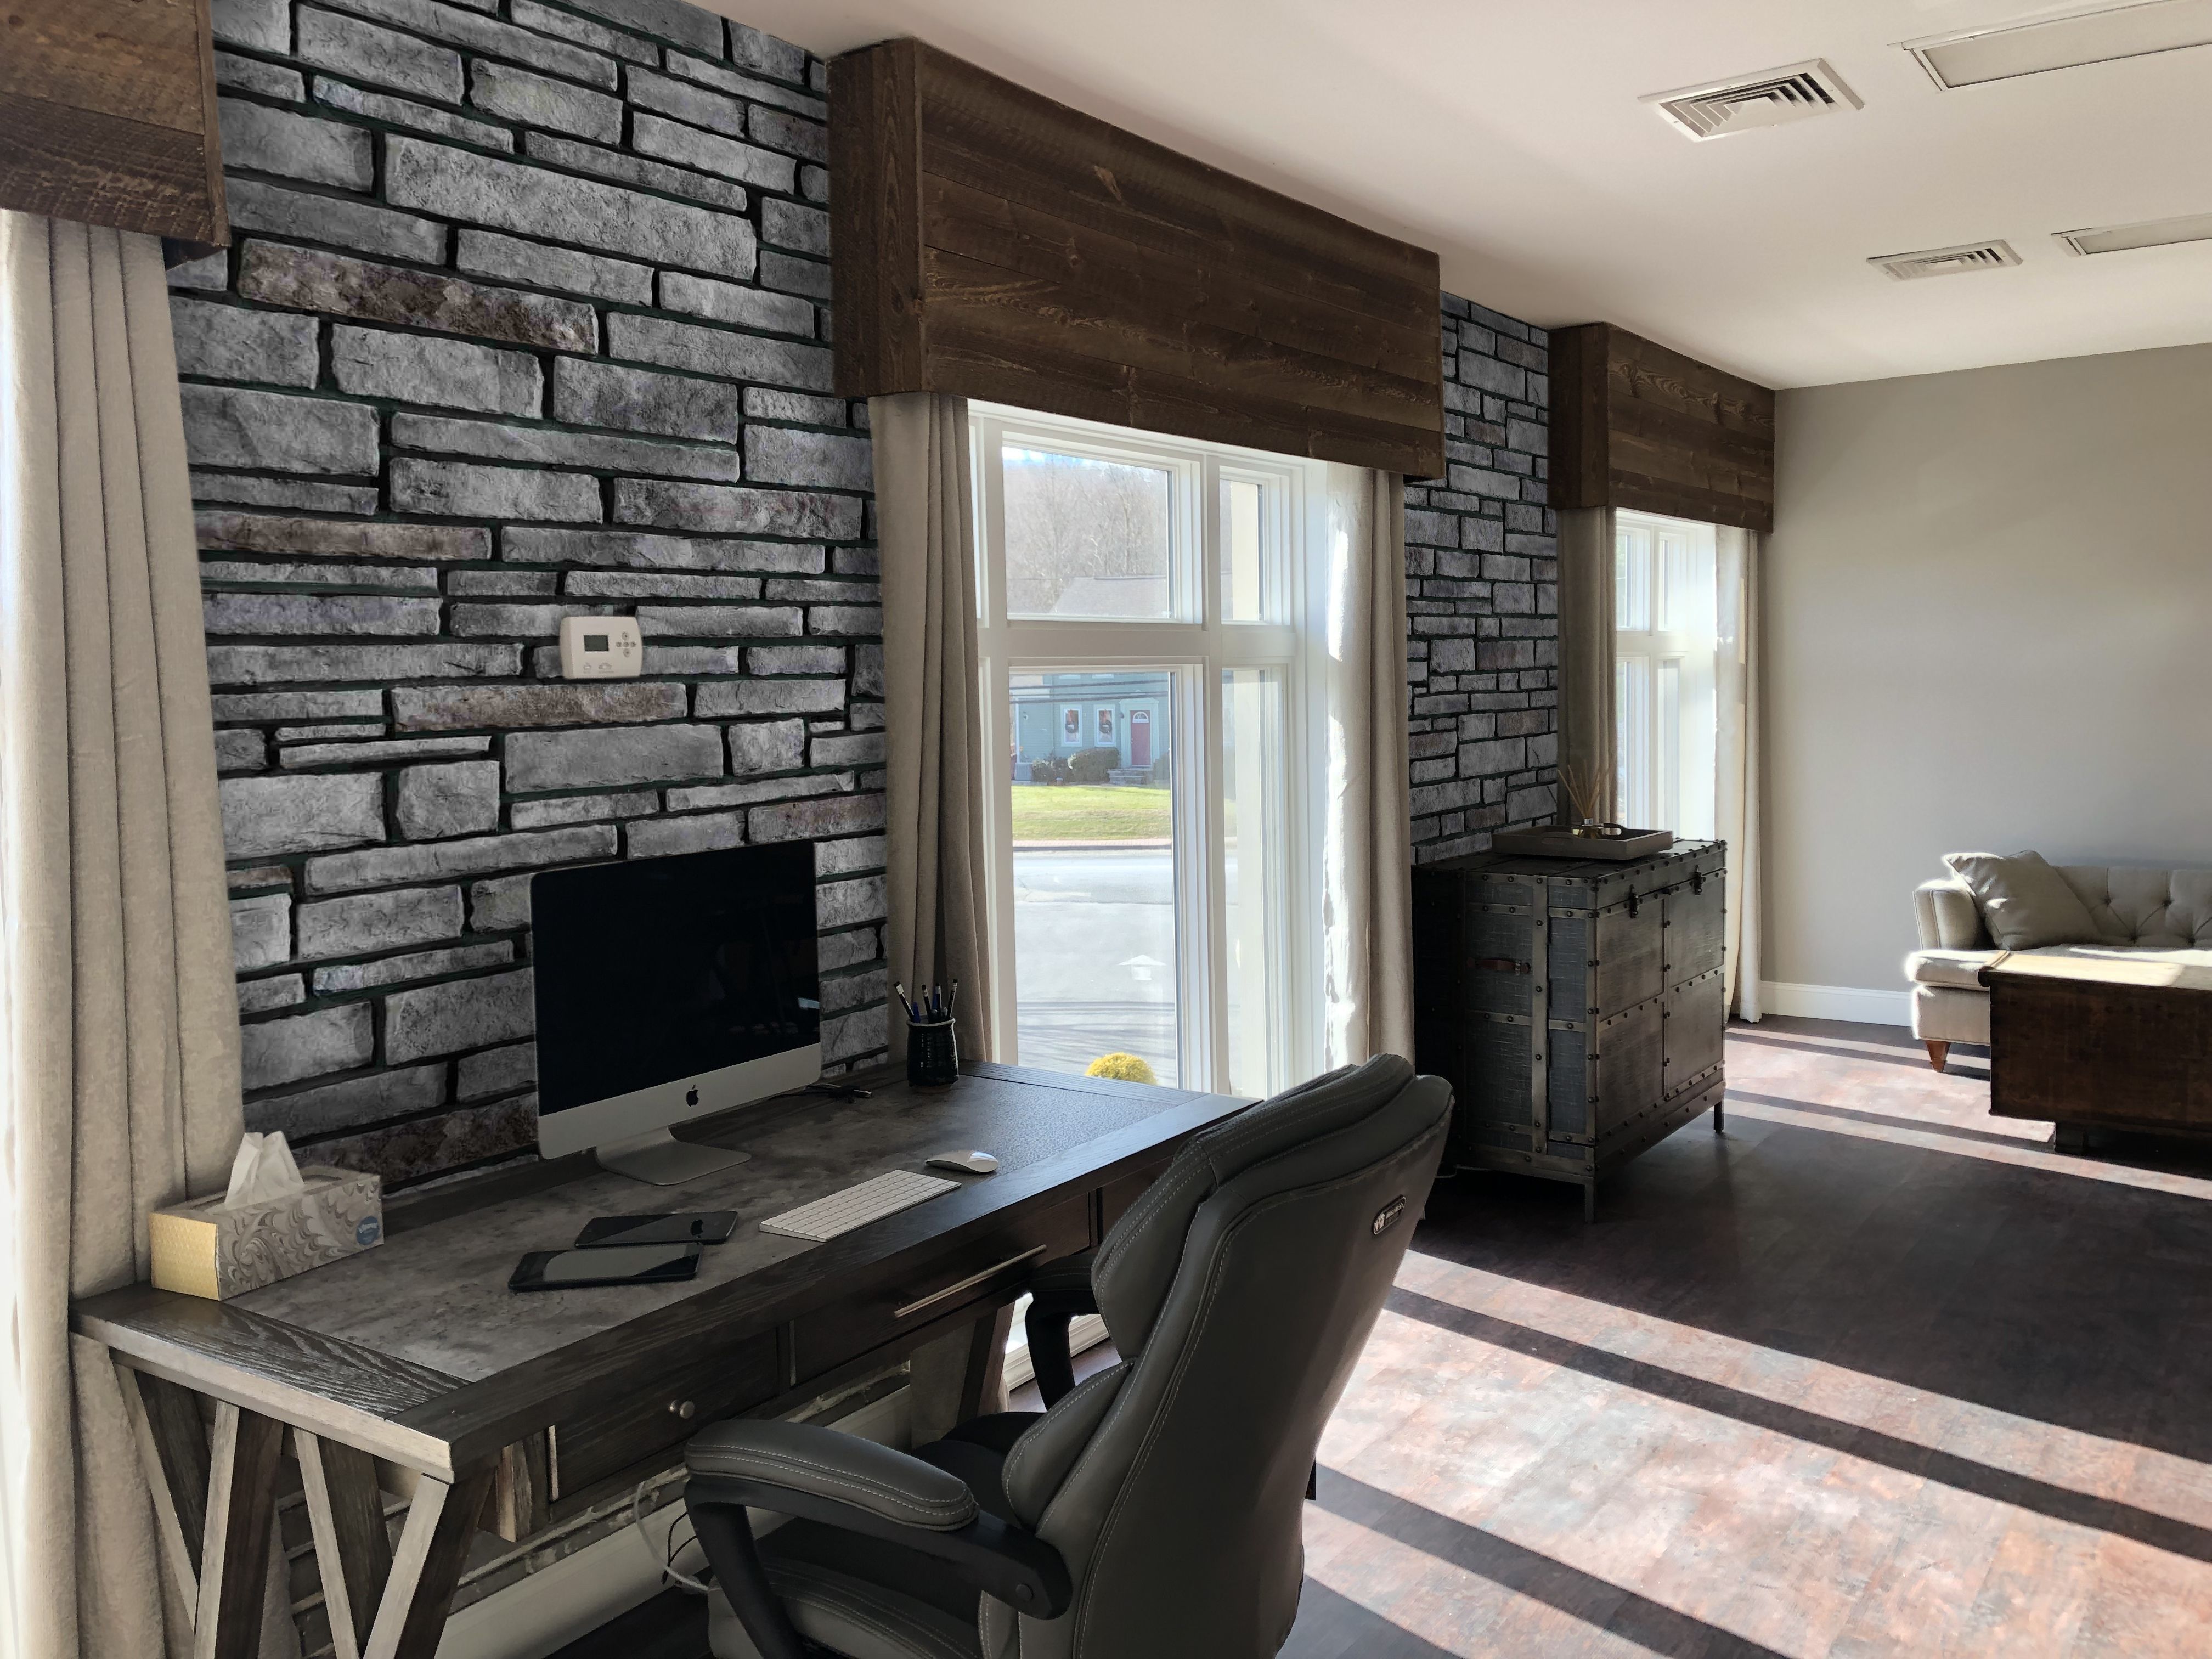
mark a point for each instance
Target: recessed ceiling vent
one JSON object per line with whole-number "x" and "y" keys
{"x": 1947, "y": 261}
{"x": 2152, "y": 232}
{"x": 1770, "y": 98}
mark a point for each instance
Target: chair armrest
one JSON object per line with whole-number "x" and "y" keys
{"x": 819, "y": 1474}
{"x": 838, "y": 1468}
{"x": 1947, "y": 917}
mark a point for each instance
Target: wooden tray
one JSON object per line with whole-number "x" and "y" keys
{"x": 1557, "y": 843}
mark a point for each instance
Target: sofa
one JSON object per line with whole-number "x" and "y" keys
{"x": 2139, "y": 913}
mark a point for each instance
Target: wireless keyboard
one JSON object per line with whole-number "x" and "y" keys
{"x": 856, "y": 1206}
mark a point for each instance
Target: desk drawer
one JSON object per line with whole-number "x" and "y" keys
{"x": 635, "y": 1423}
{"x": 980, "y": 1273}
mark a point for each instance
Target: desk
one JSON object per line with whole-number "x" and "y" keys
{"x": 416, "y": 1357}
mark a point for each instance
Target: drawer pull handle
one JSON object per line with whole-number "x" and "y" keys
{"x": 967, "y": 1283}
{"x": 684, "y": 1409}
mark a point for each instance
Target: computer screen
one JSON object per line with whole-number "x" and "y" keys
{"x": 665, "y": 969}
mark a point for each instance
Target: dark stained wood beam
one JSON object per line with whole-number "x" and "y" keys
{"x": 1637, "y": 425}
{"x": 108, "y": 116}
{"x": 993, "y": 243}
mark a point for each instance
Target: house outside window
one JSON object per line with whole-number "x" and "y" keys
{"x": 1149, "y": 645}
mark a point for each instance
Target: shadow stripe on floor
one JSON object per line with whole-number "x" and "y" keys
{"x": 1598, "y": 1602}
{"x": 1965, "y": 1474}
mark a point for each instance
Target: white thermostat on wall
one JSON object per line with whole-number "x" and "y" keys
{"x": 600, "y": 648}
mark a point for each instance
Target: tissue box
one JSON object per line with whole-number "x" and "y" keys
{"x": 204, "y": 1249}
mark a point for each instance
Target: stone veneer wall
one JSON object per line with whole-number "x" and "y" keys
{"x": 524, "y": 318}
{"x": 1482, "y": 595}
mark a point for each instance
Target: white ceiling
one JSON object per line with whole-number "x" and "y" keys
{"x": 1506, "y": 135}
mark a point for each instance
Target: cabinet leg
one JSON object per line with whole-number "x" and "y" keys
{"x": 1938, "y": 1053}
{"x": 1720, "y": 1117}
{"x": 1589, "y": 1203}
{"x": 2068, "y": 1138}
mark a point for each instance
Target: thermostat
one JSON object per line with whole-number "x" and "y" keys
{"x": 600, "y": 648}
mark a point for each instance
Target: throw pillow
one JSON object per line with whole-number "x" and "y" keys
{"x": 2025, "y": 902}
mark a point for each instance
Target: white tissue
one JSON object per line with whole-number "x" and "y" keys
{"x": 262, "y": 1170}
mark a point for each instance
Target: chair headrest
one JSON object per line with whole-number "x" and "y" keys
{"x": 1136, "y": 1264}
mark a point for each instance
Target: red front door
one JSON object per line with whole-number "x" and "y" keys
{"x": 1141, "y": 738}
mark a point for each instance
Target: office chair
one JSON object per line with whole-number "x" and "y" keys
{"x": 1154, "y": 1512}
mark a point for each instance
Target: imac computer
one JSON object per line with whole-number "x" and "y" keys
{"x": 667, "y": 989}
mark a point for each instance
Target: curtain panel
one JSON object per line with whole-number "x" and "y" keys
{"x": 936, "y": 856}
{"x": 1367, "y": 860}
{"x": 1587, "y": 720}
{"x": 119, "y": 1056}
{"x": 1735, "y": 772}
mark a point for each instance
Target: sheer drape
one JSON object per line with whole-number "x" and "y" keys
{"x": 119, "y": 1057}
{"x": 1735, "y": 817}
{"x": 1367, "y": 853}
{"x": 933, "y": 718}
{"x": 1588, "y": 740}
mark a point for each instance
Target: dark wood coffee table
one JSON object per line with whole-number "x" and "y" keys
{"x": 2100, "y": 1042}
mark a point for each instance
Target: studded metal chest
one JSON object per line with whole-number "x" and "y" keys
{"x": 1575, "y": 1007}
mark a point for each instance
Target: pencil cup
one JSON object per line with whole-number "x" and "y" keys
{"x": 932, "y": 1053}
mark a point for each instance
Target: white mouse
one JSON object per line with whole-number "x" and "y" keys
{"x": 967, "y": 1163}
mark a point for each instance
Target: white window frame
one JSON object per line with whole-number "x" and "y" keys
{"x": 1193, "y": 650}
{"x": 1667, "y": 754}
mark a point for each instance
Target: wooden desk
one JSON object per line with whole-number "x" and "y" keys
{"x": 2096, "y": 1039}
{"x": 416, "y": 1355}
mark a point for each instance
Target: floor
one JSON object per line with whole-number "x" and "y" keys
{"x": 1872, "y": 1373}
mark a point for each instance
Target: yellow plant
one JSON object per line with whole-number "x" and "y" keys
{"x": 1129, "y": 1068}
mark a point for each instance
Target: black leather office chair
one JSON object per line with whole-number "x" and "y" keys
{"x": 1154, "y": 1512}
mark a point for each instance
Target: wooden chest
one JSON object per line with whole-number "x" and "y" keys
{"x": 1576, "y": 1008}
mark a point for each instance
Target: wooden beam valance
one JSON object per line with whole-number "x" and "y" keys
{"x": 1636, "y": 425}
{"x": 990, "y": 242}
{"x": 108, "y": 116}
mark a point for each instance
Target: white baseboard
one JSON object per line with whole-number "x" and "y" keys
{"x": 1836, "y": 1002}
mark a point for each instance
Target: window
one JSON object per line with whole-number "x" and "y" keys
{"x": 1146, "y": 653}
{"x": 1666, "y": 629}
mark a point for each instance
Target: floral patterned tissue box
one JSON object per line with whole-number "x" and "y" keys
{"x": 202, "y": 1248}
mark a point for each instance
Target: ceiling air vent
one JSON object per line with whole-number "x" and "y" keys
{"x": 1947, "y": 261}
{"x": 2151, "y": 233}
{"x": 1768, "y": 99}
{"x": 2035, "y": 45}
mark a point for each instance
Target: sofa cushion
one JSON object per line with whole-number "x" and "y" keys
{"x": 1960, "y": 968}
{"x": 2168, "y": 909}
{"x": 2024, "y": 902}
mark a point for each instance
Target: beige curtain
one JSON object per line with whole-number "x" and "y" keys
{"x": 1735, "y": 818}
{"x": 1589, "y": 760}
{"x": 1367, "y": 848}
{"x": 932, "y": 680}
{"x": 118, "y": 1055}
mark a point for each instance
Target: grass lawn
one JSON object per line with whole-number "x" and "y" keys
{"x": 1089, "y": 811}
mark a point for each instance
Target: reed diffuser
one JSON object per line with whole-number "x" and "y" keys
{"x": 1584, "y": 785}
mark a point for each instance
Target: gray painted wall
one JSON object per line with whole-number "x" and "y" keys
{"x": 1985, "y": 609}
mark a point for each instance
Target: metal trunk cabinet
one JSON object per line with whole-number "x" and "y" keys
{"x": 1576, "y": 1007}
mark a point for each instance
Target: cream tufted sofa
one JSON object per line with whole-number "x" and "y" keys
{"x": 2139, "y": 912}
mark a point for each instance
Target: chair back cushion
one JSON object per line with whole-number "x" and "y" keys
{"x": 1243, "y": 1286}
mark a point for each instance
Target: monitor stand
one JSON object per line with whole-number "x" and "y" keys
{"x": 659, "y": 1159}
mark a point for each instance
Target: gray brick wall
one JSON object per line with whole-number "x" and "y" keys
{"x": 524, "y": 320}
{"x": 1482, "y": 595}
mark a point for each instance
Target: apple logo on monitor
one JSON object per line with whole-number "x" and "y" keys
{"x": 691, "y": 1098}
